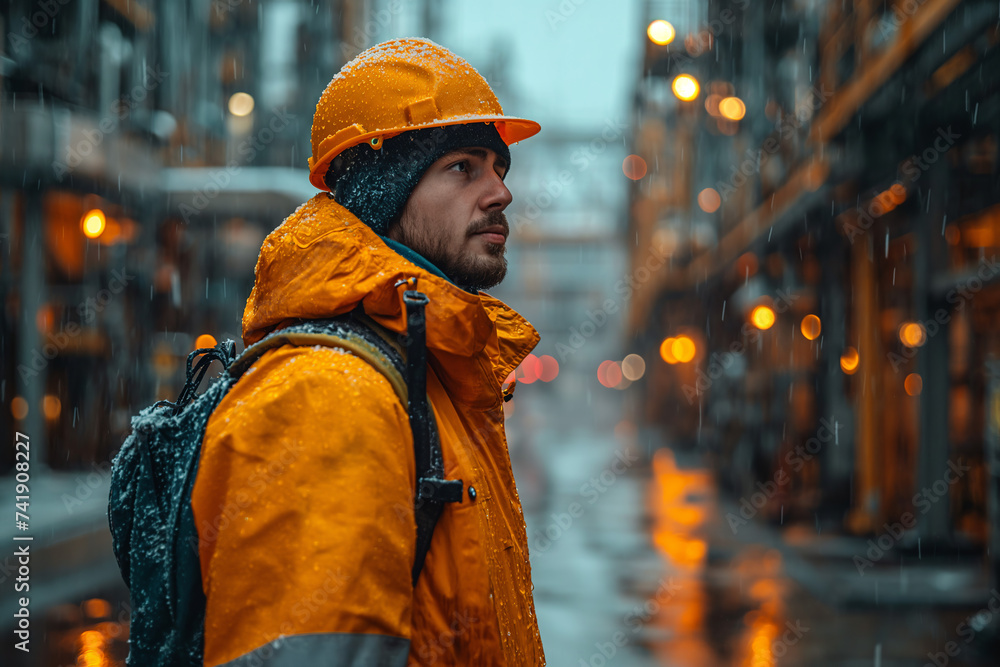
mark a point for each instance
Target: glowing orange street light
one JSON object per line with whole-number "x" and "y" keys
{"x": 732, "y": 108}
{"x": 912, "y": 334}
{"x": 93, "y": 223}
{"x": 811, "y": 327}
{"x": 204, "y": 340}
{"x": 683, "y": 349}
{"x": 685, "y": 87}
{"x": 913, "y": 384}
{"x": 762, "y": 317}
{"x": 661, "y": 32}
{"x": 19, "y": 407}
{"x": 849, "y": 361}
{"x": 51, "y": 406}
{"x": 667, "y": 350}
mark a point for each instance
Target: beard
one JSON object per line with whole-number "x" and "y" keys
{"x": 468, "y": 270}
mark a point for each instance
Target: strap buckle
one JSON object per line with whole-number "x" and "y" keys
{"x": 441, "y": 490}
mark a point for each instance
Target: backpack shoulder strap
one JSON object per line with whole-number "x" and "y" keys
{"x": 433, "y": 490}
{"x": 341, "y": 332}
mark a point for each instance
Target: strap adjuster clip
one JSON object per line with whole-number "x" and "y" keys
{"x": 441, "y": 490}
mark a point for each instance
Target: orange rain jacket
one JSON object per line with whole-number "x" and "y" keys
{"x": 304, "y": 494}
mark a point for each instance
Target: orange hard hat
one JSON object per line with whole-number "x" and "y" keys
{"x": 401, "y": 85}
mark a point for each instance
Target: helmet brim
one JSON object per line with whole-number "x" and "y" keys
{"x": 511, "y": 130}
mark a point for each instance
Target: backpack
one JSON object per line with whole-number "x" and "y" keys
{"x": 149, "y": 506}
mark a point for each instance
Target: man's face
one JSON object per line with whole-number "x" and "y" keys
{"x": 454, "y": 217}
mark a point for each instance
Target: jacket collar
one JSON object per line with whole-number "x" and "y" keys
{"x": 323, "y": 261}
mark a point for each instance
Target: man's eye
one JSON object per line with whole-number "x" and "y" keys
{"x": 462, "y": 166}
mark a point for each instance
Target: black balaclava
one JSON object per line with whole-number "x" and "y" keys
{"x": 375, "y": 184}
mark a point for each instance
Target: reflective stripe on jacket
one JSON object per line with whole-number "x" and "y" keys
{"x": 304, "y": 494}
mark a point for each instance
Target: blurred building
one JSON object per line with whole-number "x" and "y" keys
{"x": 146, "y": 149}
{"x": 827, "y": 194}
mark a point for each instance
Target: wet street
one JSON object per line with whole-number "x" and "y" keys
{"x": 634, "y": 564}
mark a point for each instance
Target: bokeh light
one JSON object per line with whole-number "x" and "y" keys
{"x": 709, "y": 200}
{"x": 811, "y": 327}
{"x": 19, "y": 407}
{"x": 912, "y": 334}
{"x": 661, "y": 32}
{"x": 633, "y": 367}
{"x": 550, "y": 368}
{"x": 530, "y": 369}
{"x": 849, "y": 360}
{"x": 683, "y": 349}
{"x": 204, "y": 340}
{"x": 240, "y": 104}
{"x": 667, "y": 350}
{"x": 609, "y": 374}
{"x": 51, "y": 406}
{"x": 762, "y": 317}
{"x": 93, "y": 223}
{"x": 732, "y": 108}
{"x": 634, "y": 167}
{"x": 913, "y": 384}
{"x": 685, "y": 87}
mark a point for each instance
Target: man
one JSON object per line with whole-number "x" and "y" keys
{"x": 304, "y": 499}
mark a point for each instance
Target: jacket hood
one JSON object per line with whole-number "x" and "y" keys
{"x": 323, "y": 261}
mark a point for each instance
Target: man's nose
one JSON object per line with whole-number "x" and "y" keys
{"x": 497, "y": 197}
